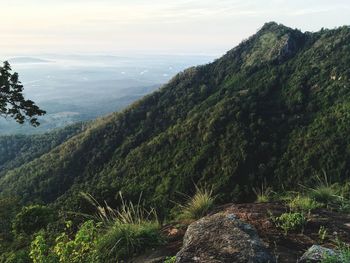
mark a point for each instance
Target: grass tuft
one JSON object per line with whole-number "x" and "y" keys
{"x": 263, "y": 194}
{"x": 128, "y": 212}
{"x": 198, "y": 205}
{"x": 122, "y": 241}
{"x": 326, "y": 195}
{"x": 303, "y": 204}
{"x": 129, "y": 230}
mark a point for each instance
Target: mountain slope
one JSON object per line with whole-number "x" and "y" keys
{"x": 16, "y": 150}
{"x": 236, "y": 123}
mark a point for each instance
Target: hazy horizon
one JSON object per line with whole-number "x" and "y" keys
{"x": 164, "y": 27}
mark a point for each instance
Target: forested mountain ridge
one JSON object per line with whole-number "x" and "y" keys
{"x": 16, "y": 150}
{"x": 273, "y": 110}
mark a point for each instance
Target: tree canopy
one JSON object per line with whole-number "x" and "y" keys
{"x": 12, "y": 101}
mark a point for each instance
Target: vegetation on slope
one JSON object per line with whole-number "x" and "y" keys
{"x": 272, "y": 110}
{"x": 16, "y": 150}
{"x": 232, "y": 124}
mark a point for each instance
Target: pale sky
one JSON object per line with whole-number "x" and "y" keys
{"x": 153, "y": 26}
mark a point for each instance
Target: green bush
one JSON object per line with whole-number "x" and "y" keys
{"x": 32, "y": 218}
{"x": 20, "y": 256}
{"x": 290, "y": 222}
{"x": 170, "y": 259}
{"x": 80, "y": 249}
{"x": 40, "y": 251}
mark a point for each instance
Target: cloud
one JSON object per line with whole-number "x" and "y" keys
{"x": 311, "y": 11}
{"x": 198, "y": 25}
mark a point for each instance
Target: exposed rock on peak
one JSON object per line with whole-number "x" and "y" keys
{"x": 274, "y": 43}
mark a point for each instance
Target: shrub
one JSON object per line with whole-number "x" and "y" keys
{"x": 170, "y": 259}
{"x": 290, "y": 222}
{"x": 198, "y": 205}
{"x": 80, "y": 249}
{"x": 40, "y": 251}
{"x": 20, "y": 256}
{"x": 32, "y": 218}
{"x": 303, "y": 204}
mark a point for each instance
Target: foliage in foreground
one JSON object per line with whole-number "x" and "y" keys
{"x": 342, "y": 254}
{"x": 291, "y": 222}
{"x": 118, "y": 235}
{"x": 170, "y": 259}
{"x": 303, "y": 203}
{"x": 122, "y": 241}
{"x": 81, "y": 248}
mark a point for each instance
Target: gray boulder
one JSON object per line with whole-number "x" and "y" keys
{"x": 316, "y": 254}
{"x": 222, "y": 238}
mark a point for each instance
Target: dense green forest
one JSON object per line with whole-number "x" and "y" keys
{"x": 274, "y": 110}
{"x": 16, "y": 150}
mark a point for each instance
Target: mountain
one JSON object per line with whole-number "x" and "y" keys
{"x": 16, "y": 150}
{"x": 28, "y": 60}
{"x": 74, "y": 88}
{"x": 274, "y": 110}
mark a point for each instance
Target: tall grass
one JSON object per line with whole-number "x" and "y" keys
{"x": 263, "y": 194}
{"x": 122, "y": 241}
{"x": 198, "y": 205}
{"x": 129, "y": 230}
{"x": 325, "y": 192}
{"x": 128, "y": 212}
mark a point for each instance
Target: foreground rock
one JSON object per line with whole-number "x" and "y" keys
{"x": 222, "y": 237}
{"x": 316, "y": 254}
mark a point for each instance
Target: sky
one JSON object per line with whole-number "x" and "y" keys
{"x": 153, "y": 26}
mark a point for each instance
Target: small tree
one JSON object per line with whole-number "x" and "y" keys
{"x": 12, "y": 101}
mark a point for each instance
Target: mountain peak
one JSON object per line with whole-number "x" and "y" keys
{"x": 274, "y": 26}
{"x": 273, "y": 43}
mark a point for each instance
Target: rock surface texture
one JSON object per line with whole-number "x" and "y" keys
{"x": 316, "y": 254}
{"x": 222, "y": 237}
